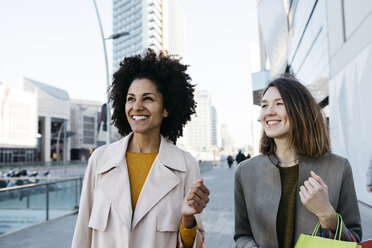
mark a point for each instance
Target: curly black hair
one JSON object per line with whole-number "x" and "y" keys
{"x": 172, "y": 81}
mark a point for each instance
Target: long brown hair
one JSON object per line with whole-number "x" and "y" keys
{"x": 309, "y": 135}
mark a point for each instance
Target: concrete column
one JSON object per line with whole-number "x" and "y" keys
{"x": 46, "y": 138}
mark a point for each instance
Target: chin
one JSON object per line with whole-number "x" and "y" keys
{"x": 275, "y": 135}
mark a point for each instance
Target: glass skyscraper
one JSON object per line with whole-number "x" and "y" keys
{"x": 156, "y": 24}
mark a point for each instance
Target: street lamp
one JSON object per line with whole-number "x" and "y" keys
{"x": 112, "y": 37}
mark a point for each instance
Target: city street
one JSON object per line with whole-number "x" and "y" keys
{"x": 218, "y": 219}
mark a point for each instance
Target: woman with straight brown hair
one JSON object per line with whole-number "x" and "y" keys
{"x": 296, "y": 181}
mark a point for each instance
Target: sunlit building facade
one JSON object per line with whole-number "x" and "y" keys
{"x": 328, "y": 46}
{"x": 18, "y": 125}
{"x": 53, "y": 113}
{"x": 201, "y": 131}
{"x": 155, "y": 24}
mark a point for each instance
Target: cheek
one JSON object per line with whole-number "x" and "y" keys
{"x": 262, "y": 118}
{"x": 126, "y": 109}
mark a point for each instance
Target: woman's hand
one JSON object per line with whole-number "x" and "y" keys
{"x": 194, "y": 203}
{"x": 314, "y": 196}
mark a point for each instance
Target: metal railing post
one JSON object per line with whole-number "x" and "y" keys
{"x": 76, "y": 192}
{"x": 47, "y": 201}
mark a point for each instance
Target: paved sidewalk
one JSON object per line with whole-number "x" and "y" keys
{"x": 218, "y": 219}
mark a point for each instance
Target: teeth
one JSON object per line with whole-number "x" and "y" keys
{"x": 272, "y": 122}
{"x": 139, "y": 117}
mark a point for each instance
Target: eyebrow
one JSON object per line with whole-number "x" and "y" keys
{"x": 144, "y": 94}
{"x": 276, "y": 99}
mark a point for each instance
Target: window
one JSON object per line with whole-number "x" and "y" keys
{"x": 88, "y": 130}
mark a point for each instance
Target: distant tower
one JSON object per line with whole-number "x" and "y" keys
{"x": 214, "y": 139}
{"x": 156, "y": 24}
{"x": 201, "y": 131}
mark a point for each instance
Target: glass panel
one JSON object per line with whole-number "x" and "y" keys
{"x": 63, "y": 198}
{"x": 22, "y": 207}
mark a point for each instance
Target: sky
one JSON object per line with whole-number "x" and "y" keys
{"x": 59, "y": 43}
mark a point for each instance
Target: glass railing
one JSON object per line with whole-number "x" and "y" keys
{"x": 205, "y": 166}
{"x": 30, "y": 204}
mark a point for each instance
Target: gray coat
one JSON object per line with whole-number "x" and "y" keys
{"x": 258, "y": 192}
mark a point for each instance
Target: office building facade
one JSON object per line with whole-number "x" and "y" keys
{"x": 155, "y": 24}
{"x": 18, "y": 126}
{"x": 53, "y": 113}
{"x": 201, "y": 131}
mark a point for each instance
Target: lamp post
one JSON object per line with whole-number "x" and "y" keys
{"x": 112, "y": 37}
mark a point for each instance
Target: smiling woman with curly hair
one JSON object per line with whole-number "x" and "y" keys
{"x": 171, "y": 80}
{"x": 142, "y": 191}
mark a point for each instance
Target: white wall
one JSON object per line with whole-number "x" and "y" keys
{"x": 18, "y": 118}
{"x": 351, "y": 117}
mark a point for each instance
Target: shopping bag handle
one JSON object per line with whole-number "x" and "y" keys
{"x": 338, "y": 228}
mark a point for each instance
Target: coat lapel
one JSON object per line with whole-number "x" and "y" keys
{"x": 115, "y": 185}
{"x": 305, "y": 220}
{"x": 160, "y": 180}
{"x": 114, "y": 179}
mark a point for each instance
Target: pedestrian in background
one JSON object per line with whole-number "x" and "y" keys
{"x": 297, "y": 181}
{"x": 369, "y": 176}
{"x": 230, "y": 161}
{"x": 240, "y": 157}
{"x": 143, "y": 191}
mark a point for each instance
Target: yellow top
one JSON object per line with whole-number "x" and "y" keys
{"x": 139, "y": 165}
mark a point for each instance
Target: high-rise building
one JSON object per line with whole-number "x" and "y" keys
{"x": 201, "y": 132}
{"x": 227, "y": 142}
{"x": 156, "y": 24}
{"x": 214, "y": 126}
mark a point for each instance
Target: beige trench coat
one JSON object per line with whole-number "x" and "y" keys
{"x": 106, "y": 218}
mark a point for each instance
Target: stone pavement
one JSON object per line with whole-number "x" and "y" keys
{"x": 218, "y": 219}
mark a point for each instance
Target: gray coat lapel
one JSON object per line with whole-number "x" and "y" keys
{"x": 274, "y": 193}
{"x": 305, "y": 220}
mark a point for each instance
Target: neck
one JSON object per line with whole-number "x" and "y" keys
{"x": 287, "y": 155}
{"x": 143, "y": 143}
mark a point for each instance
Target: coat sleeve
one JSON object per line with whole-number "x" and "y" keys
{"x": 348, "y": 208}
{"x": 192, "y": 175}
{"x": 243, "y": 233}
{"x": 83, "y": 234}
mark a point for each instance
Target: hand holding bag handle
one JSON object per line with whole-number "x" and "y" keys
{"x": 338, "y": 228}
{"x": 307, "y": 241}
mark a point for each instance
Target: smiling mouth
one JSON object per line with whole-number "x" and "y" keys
{"x": 139, "y": 117}
{"x": 272, "y": 122}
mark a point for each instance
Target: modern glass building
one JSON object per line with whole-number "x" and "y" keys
{"x": 328, "y": 46}
{"x": 156, "y": 24}
{"x": 18, "y": 125}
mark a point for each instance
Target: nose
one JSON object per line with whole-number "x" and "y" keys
{"x": 138, "y": 105}
{"x": 269, "y": 110}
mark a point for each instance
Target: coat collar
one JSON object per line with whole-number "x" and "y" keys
{"x": 160, "y": 180}
{"x": 169, "y": 154}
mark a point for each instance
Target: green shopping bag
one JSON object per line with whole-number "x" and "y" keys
{"x": 313, "y": 241}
